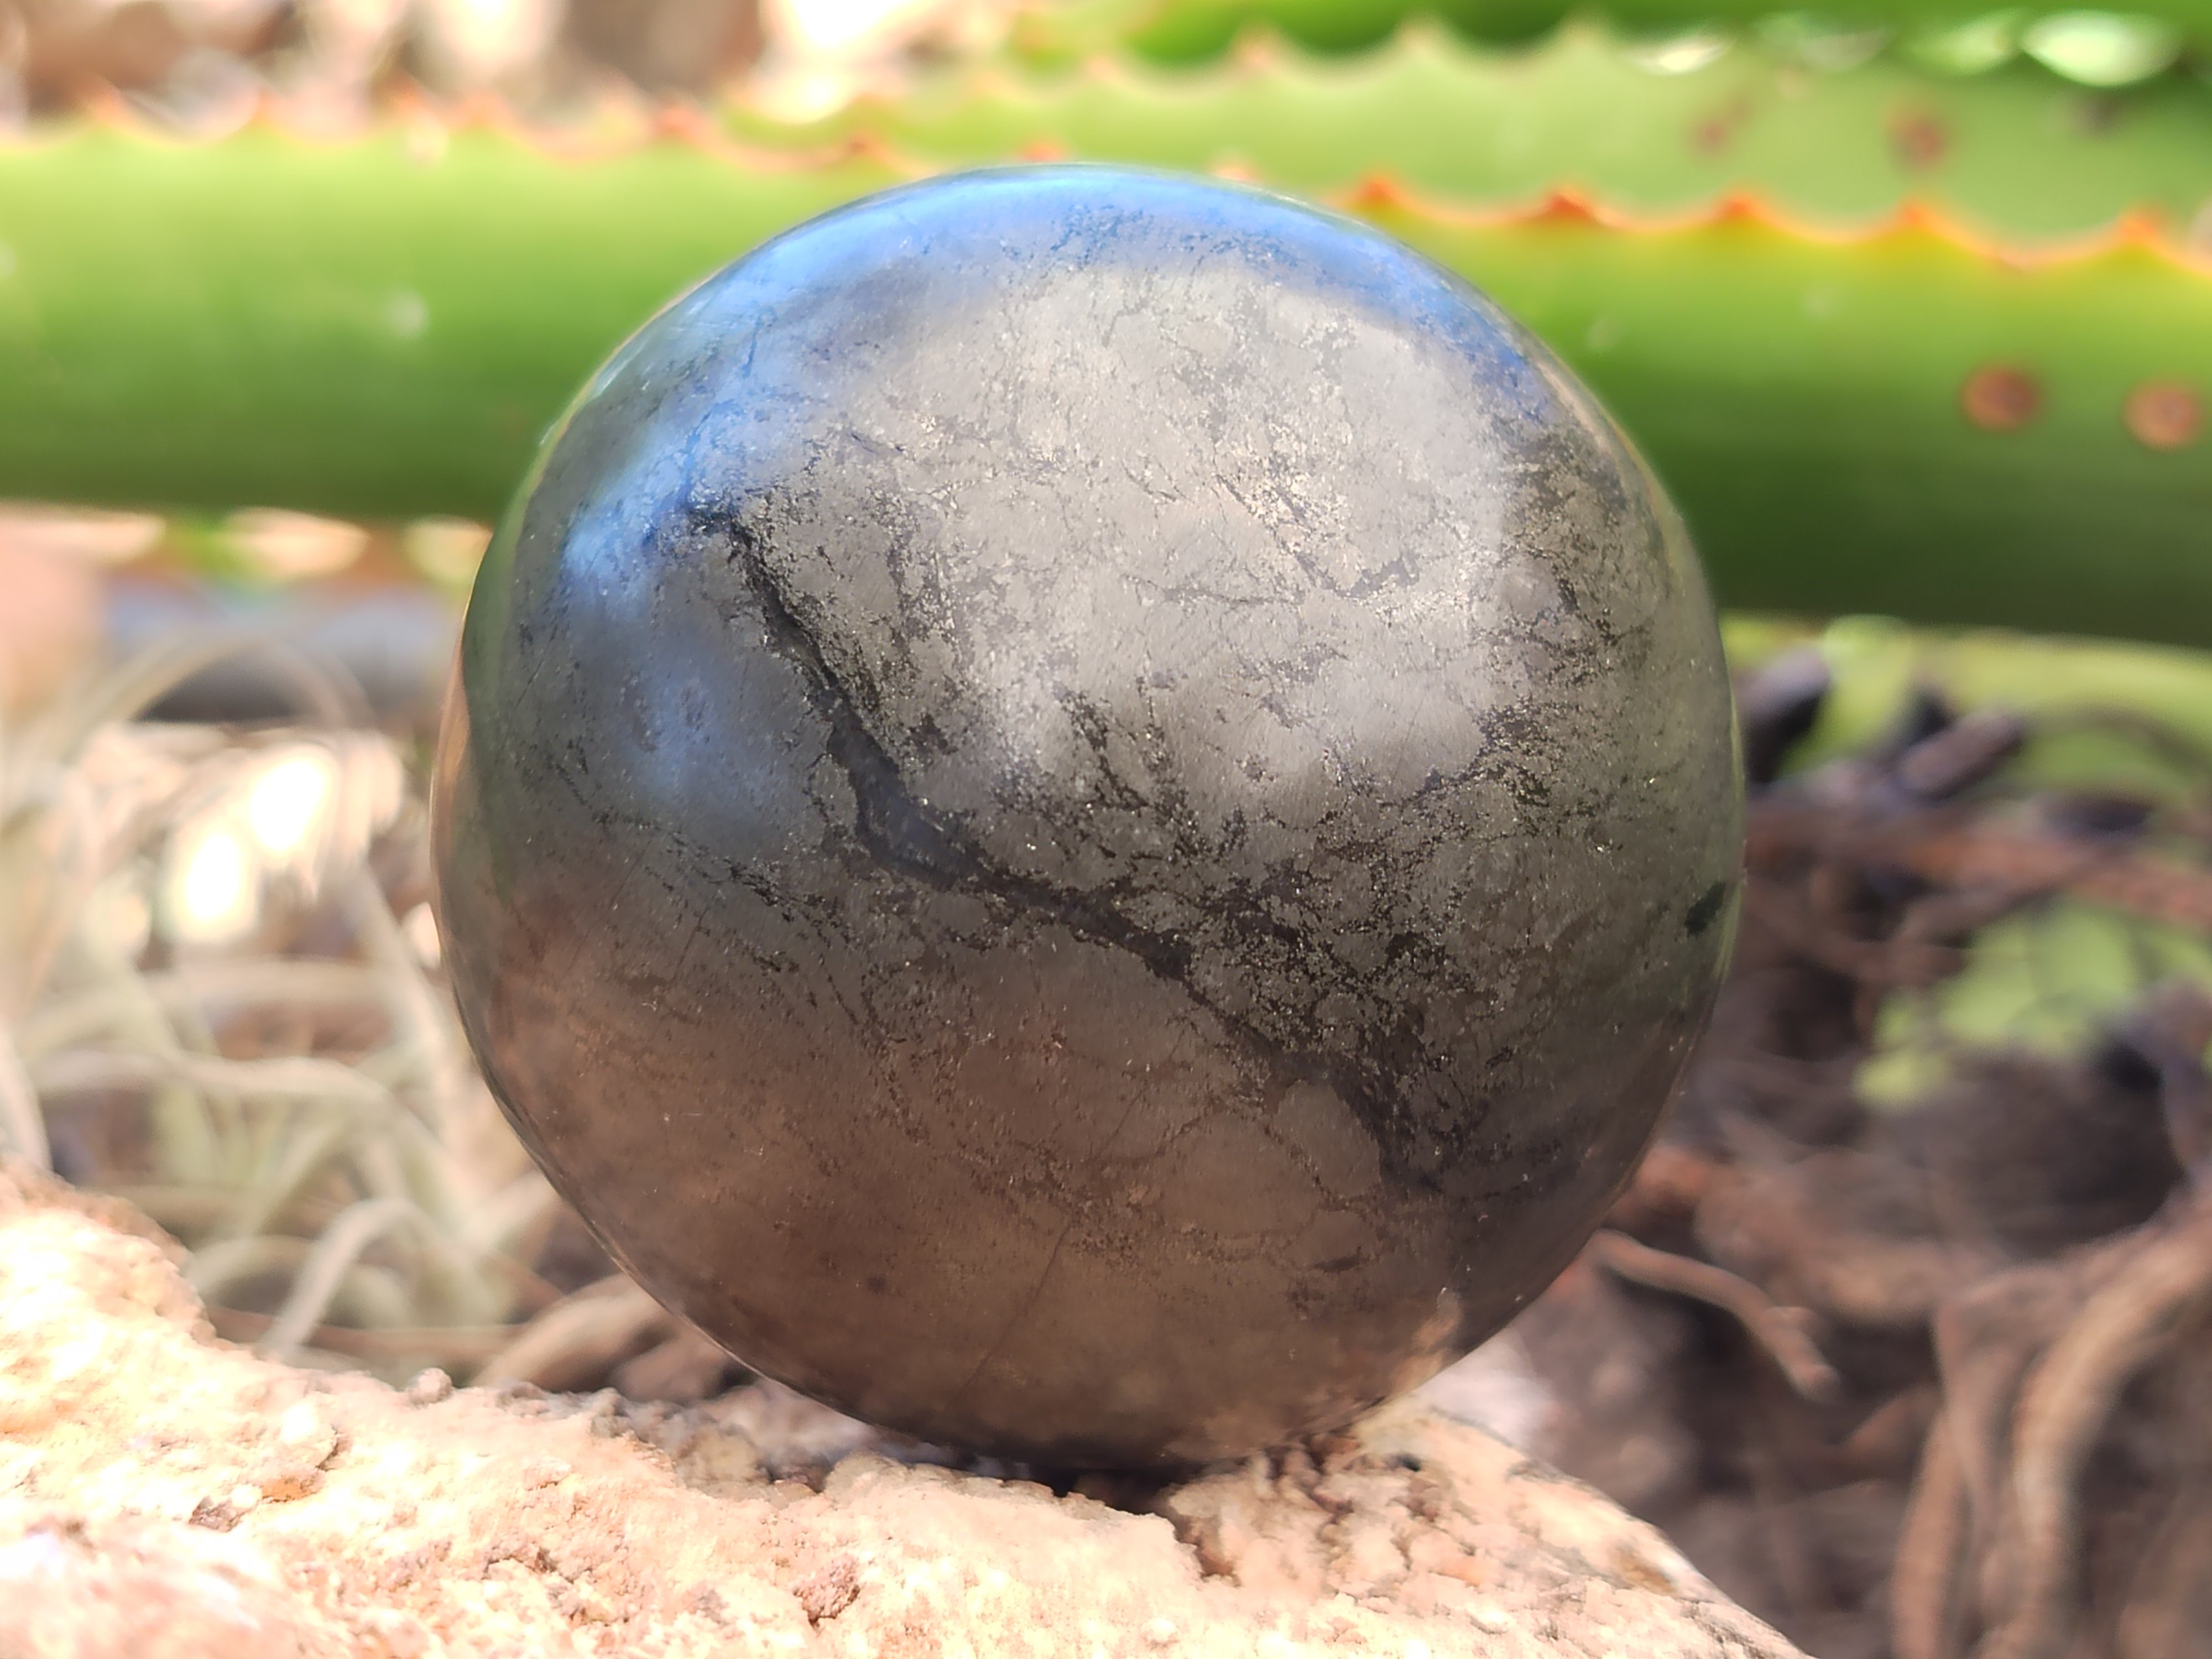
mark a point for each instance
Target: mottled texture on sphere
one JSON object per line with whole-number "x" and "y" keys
{"x": 1089, "y": 814}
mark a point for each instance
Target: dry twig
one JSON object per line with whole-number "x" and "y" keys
{"x": 2069, "y": 1399}
{"x": 1958, "y": 852}
{"x": 1781, "y": 1331}
{"x": 1930, "y": 1550}
{"x": 582, "y": 1337}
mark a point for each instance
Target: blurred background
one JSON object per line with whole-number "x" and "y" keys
{"x": 81, "y": 581}
{"x": 1932, "y": 1200}
{"x": 186, "y": 60}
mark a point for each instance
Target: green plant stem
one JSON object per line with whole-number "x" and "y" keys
{"x": 382, "y": 326}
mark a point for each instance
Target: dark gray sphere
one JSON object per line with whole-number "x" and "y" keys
{"x": 1088, "y": 813}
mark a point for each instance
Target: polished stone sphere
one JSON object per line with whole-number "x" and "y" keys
{"x": 1088, "y": 813}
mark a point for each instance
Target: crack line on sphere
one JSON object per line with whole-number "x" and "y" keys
{"x": 1014, "y": 1322}
{"x": 906, "y": 837}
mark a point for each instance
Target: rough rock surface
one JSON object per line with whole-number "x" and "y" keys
{"x": 162, "y": 1492}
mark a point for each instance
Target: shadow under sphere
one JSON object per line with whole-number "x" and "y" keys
{"x": 1089, "y": 814}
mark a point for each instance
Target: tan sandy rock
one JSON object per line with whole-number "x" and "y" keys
{"x": 163, "y": 1493}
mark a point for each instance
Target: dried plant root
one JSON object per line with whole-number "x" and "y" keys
{"x": 2069, "y": 1399}
{"x": 1924, "y": 1584}
{"x": 1779, "y": 1330}
{"x": 582, "y": 1336}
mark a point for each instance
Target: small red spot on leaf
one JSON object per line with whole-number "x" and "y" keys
{"x": 1713, "y": 135}
{"x": 2000, "y": 398}
{"x": 1919, "y": 140}
{"x": 2165, "y": 414}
